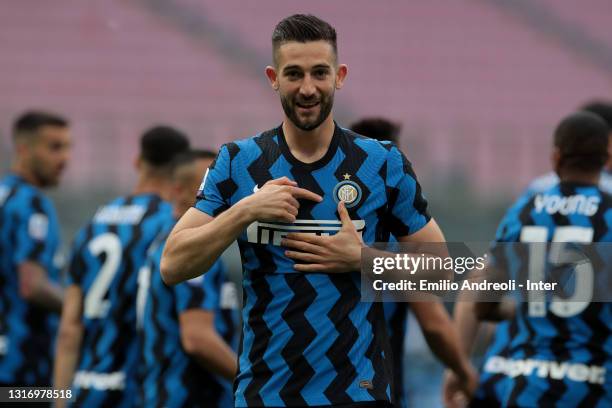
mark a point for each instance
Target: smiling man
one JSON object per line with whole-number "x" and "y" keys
{"x": 304, "y": 197}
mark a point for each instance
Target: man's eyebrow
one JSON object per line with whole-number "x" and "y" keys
{"x": 290, "y": 67}
{"x": 318, "y": 66}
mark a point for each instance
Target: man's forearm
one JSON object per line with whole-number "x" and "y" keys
{"x": 192, "y": 251}
{"x": 467, "y": 324}
{"x": 495, "y": 311}
{"x": 35, "y": 287}
{"x": 48, "y": 295}
{"x": 445, "y": 345}
{"x": 66, "y": 358}
{"x": 212, "y": 353}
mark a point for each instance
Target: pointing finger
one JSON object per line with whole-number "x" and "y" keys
{"x": 344, "y": 216}
{"x": 298, "y": 192}
{"x": 282, "y": 181}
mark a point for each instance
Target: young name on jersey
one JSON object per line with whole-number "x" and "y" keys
{"x": 574, "y": 204}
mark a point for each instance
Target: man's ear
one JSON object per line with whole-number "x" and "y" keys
{"x": 137, "y": 163}
{"x": 272, "y": 77}
{"x": 341, "y": 74}
{"x": 22, "y": 148}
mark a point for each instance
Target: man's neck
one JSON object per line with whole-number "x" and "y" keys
{"x": 25, "y": 173}
{"x": 579, "y": 177}
{"x": 153, "y": 185}
{"x": 309, "y": 146}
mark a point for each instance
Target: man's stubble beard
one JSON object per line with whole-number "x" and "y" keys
{"x": 325, "y": 107}
{"x": 45, "y": 179}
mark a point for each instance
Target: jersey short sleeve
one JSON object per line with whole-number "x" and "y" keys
{"x": 76, "y": 262}
{"x": 502, "y": 255}
{"x": 32, "y": 232}
{"x": 407, "y": 211}
{"x": 202, "y": 292}
{"x": 217, "y": 185}
{"x": 509, "y": 229}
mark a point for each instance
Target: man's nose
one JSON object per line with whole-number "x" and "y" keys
{"x": 307, "y": 89}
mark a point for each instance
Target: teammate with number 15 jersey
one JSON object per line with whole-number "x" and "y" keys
{"x": 558, "y": 352}
{"x": 98, "y": 328}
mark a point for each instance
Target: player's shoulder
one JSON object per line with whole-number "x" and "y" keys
{"x": 515, "y": 214}
{"x": 132, "y": 209}
{"x": 372, "y": 146}
{"x": 251, "y": 145}
{"x": 22, "y": 197}
{"x": 542, "y": 183}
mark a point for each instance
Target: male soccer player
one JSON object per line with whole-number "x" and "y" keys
{"x": 29, "y": 238}
{"x": 433, "y": 319}
{"x": 187, "y": 330}
{"x": 567, "y": 351}
{"x": 545, "y": 181}
{"x": 97, "y": 336}
{"x": 307, "y": 338}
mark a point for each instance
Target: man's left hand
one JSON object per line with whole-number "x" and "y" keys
{"x": 329, "y": 254}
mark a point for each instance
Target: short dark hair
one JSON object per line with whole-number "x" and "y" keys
{"x": 31, "y": 121}
{"x": 378, "y": 128}
{"x": 191, "y": 156}
{"x": 582, "y": 140}
{"x": 302, "y": 28}
{"x": 601, "y": 108}
{"x": 161, "y": 144}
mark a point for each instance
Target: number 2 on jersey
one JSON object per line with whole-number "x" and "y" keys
{"x": 96, "y": 307}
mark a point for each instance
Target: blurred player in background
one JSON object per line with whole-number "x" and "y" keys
{"x": 433, "y": 319}
{"x": 97, "y": 336}
{"x": 546, "y": 181}
{"x": 187, "y": 330}
{"x": 29, "y": 237}
{"x": 304, "y": 197}
{"x": 578, "y": 340}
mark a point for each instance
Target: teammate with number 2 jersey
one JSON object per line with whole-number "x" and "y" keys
{"x": 96, "y": 351}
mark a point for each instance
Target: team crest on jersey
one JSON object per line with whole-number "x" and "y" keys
{"x": 38, "y": 226}
{"x": 348, "y": 191}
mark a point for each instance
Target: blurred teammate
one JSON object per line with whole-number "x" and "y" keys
{"x": 300, "y": 198}
{"x": 187, "y": 329}
{"x": 433, "y": 319}
{"x": 544, "y": 182}
{"x": 545, "y": 357}
{"x": 29, "y": 238}
{"x": 97, "y": 336}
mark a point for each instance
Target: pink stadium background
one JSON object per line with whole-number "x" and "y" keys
{"x": 478, "y": 85}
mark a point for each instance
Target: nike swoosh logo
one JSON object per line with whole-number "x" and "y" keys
{"x": 256, "y": 188}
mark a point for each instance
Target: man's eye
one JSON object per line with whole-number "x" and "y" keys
{"x": 292, "y": 74}
{"x": 320, "y": 74}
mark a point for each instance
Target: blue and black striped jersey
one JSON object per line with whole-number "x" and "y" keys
{"x": 396, "y": 315}
{"x": 106, "y": 257}
{"x": 556, "y": 353}
{"x": 29, "y": 231}
{"x": 169, "y": 376}
{"x": 307, "y": 338}
{"x": 492, "y": 385}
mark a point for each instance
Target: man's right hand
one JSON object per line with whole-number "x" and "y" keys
{"x": 277, "y": 201}
{"x": 457, "y": 391}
